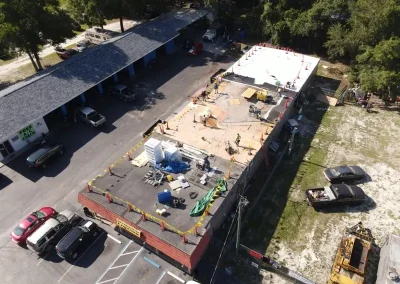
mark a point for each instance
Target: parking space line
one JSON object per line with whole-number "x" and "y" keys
{"x": 114, "y": 261}
{"x": 126, "y": 253}
{"x": 114, "y": 238}
{"x": 161, "y": 277}
{"x": 176, "y": 277}
{"x": 40, "y": 261}
{"x": 114, "y": 267}
{"x": 72, "y": 265}
{"x": 105, "y": 281}
{"x": 129, "y": 264}
{"x": 155, "y": 264}
{"x": 43, "y": 258}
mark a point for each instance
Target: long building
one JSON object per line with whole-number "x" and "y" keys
{"x": 26, "y": 108}
{"x": 222, "y": 137}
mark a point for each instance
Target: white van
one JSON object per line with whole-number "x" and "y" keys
{"x": 98, "y": 35}
{"x": 44, "y": 238}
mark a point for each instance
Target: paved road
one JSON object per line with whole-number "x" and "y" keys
{"x": 48, "y": 49}
{"x": 88, "y": 151}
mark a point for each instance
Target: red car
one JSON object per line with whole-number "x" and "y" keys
{"x": 196, "y": 49}
{"x": 30, "y": 224}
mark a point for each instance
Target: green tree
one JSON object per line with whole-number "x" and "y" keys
{"x": 370, "y": 22}
{"x": 25, "y": 25}
{"x": 90, "y": 12}
{"x": 279, "y": 16}
{"x": 314, "y": 23}
{"x": 378, "y": 67}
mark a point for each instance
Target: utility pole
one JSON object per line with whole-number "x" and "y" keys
{"x": 242, "y": 203}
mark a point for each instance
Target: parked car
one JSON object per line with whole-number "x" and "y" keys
{"x": 91, "y": 117}
{"x": 65, "y": 53}
{"x": 41, "y": 156}
{"x": 30, "y": 224}
{"x": 216, "y": 74}
{"x": 83, "y": 45}
{"x": 99, "y": 35}
{"x": 334, "y": 195}
{"x": 77, "y": 239}
{"x": 123, "y": 92}
{"x": 196, "y": 49}
{"x": 48, "y": 235}
{"x": 344, "y": 173}
{"x": 210, "y": 35}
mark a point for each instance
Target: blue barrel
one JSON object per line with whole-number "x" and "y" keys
{"x": 164, "y": 197}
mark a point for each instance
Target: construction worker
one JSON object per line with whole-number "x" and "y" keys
{"x": 204, "y": 119}
{"x": 203, "y": 95}
{"x": 237, "y": 141}
{"x": 216, "y": 87}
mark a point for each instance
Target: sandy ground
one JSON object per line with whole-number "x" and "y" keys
{"x": 368, "y": 140}
{"x": 7, "y": 70}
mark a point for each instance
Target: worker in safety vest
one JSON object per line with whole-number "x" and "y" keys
{"x": 237, "y": 141}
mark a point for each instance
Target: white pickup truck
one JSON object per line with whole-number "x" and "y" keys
{"x": 91, "y": 117}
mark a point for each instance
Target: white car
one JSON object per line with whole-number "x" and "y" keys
{"x": 210, "y": 35}
{"x": 82, "y": 45}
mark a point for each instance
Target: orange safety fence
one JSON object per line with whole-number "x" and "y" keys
{"x": 146, "y": 215}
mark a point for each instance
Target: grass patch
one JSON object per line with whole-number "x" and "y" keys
{"x": 27, "y": 70}
{"x": 283, "y": 209}
{"x": 7, "y": 61}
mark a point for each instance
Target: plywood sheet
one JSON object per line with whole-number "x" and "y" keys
{"x": 327, "y": 99}
{"x": 249, "y": 93}
{"x": 140, "y": 160}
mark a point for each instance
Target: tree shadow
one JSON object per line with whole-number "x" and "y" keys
{"x": 257, "y": 236}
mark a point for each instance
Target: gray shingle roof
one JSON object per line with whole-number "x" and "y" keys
{"x": 24, "y": 102}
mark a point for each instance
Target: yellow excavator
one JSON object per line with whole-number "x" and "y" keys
{"x": 351, "y": 257}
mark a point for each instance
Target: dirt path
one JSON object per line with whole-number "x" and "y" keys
{"x": 6, "y": 69}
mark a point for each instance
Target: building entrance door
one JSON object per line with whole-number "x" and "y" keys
{"x": 6, "y": 149}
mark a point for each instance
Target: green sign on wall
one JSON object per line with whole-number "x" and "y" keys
{"x": 27, "y": 132}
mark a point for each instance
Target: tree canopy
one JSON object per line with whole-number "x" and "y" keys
{"x": 25, "y": 25}
{"x": 364, "y": 31}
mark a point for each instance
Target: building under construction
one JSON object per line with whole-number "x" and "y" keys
{"x": 175, "y": 188}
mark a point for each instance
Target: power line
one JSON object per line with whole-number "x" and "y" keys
{"x": 223, "y": 247}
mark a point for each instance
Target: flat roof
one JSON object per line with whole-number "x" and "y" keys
{"x": 231, "y": 116}
{"x": 126, "y": 183}
{"x": 31, "y": 99}
{"x": 267, "y": 65}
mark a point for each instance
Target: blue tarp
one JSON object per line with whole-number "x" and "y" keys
{"x": 173, "y": 167}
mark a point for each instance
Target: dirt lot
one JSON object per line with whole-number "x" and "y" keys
{"x": 304, "y": 240}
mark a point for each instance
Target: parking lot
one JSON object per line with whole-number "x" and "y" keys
{"x": 110, "y": 258}
{"x": 164, "y": 88}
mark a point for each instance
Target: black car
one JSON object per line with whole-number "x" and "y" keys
{"x": 43, "y": 155}
{"x": 335, "y": 195}
{"x": 344, "y": 173}
{"x": 76, "y": 240}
